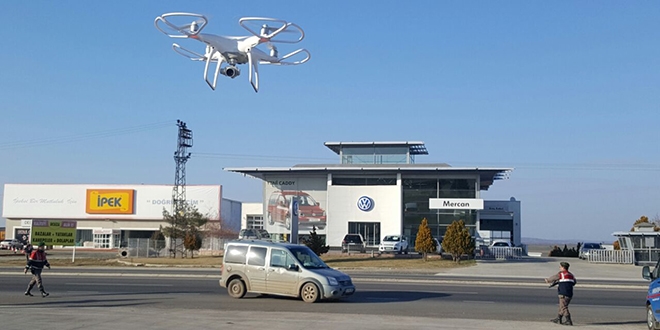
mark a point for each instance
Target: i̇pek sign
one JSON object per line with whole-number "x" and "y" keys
{"x": 456, "y": 204}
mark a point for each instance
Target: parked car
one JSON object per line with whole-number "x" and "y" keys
{"x": 310, "y": 213}
{"x": 249, "y": 233}
{"x": 393, "y": 243}
{"x": 438, "y": 246}
{"x": 281, "y": 269}
{"x": 265, "y": 236}
{"x": 653, "y": 296}
{"x": 9, "y": 244}
{"x": 501, "y": 243}
{"x": 354, "y": 243}
{"x": 586, "y": 248}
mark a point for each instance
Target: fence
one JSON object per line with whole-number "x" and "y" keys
{"x": 149, "y": 248}
{"x": 500, "y": 253}
{"x": 612, "y": 256}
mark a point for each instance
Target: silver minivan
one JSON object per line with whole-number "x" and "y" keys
{"x": 280, "y": 269}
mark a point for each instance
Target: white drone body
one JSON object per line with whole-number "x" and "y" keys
{"x": 234, "y": 50}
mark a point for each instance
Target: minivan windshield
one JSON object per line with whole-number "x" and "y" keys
{"x": 307, "y": 257}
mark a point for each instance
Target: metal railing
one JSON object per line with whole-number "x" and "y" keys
{"x": 506, "y": 253}
{"x": 612, "y": 256}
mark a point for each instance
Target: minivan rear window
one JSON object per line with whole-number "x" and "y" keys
{"x": 235, "y": 254}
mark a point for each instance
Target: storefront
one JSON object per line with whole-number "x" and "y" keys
{"x": 108, "y": 215}
{"x": 371, "y": 194}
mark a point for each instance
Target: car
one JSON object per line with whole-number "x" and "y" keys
{"x": 653, "y": 296}
{"x": 353, "y": 243}
{"x": 586, "y": 248}
{"x": 393, "y": 243}
{"x": 501, "y": 243}
{"x": 265, "y": 236}
{"x": 310, "y": 213}
{"x": 10, "y": 244}
{"x": 281, "y": 269}
{"x": 249, "y": 233}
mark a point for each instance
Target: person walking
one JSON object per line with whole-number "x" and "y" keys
{"x": 564, "y": 280}
{"x": 27, "y": 250}
{"x": 36, "y": 264}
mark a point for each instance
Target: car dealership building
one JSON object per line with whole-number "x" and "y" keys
{"x": 109, "y": 215}
{"x": 377, "y": 189}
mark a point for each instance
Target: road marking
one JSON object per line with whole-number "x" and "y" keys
{"x": 478, "y": 301}
{"x": 118, "y": 284}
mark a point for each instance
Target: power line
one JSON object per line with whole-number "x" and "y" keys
{"x": 257, "y": 157}
{"x": 84, "y": 136}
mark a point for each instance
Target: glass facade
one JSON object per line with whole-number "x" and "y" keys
{"x": 375, "y": 155}
{"x": 416, "y": 194}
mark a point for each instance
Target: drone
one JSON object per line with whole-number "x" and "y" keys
{"x": 226, "y": 52}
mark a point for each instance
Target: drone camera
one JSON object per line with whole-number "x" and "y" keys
{"x": 230, "y": 71}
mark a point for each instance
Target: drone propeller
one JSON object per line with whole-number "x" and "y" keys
{"x": 268, "y": 32}
{"x": 169, "y": 24}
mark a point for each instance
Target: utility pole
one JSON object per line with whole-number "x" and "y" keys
{"x": 181, "y": 156}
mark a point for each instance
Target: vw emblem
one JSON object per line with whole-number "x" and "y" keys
{"x": 295, "y": 208}
{"x": 365, "y": 203}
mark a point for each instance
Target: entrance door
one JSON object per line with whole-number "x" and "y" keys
{"x": 370, "y": 231}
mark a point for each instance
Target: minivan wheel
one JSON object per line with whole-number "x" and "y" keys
{"x": 270, "y": 219}
{"x": 287, "y": 222}
{"x": 236, "y": 288}
{"x": 650, "y": 319}
{"x": 309, "y": 293}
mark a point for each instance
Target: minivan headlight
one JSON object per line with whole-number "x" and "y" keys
{"x": 332, "y": 281}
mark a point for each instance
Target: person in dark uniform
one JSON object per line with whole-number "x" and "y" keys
{"x": 36, "y": 264}
{"x": 27, "y": 250}
{"x": 564, "y": 280}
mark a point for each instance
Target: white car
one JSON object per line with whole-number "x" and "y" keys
{"x": 9, "y": 244}
{"x": 501, "y": 243}
{"x": 393, "y": 243}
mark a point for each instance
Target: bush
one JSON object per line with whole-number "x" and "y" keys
{"x": 315, "y": 242}
{"x": 458, "y": 241}
{"x": 565, "y": 252}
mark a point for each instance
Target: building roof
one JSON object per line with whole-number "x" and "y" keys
{"x": 487, "y": 175}
{"x": 414, "y": 147}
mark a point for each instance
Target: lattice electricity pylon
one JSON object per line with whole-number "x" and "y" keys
{"x": 181, "y": 156}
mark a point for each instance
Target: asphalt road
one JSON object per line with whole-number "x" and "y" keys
{"x": 198, "y": 290}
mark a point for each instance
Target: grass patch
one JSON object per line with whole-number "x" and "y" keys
{"x": 384, "y": 262}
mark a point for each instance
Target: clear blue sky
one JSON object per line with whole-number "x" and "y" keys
{"x": 567, "y": 93}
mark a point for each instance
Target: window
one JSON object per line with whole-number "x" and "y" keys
{"x": 257, "y": 256}
{"x": 236, "y": 254}
{"x": 255, "y": 221}
{"x": 279, "y": 258}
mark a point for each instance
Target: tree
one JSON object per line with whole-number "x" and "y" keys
{"x": 457, "y": 240}
{"x": 316, "y": 243}
{"x": 424, "y": 242}
{"x": 158, "y": 239}
{"x": 645, "y": 219}
{"x": 616, "y": 245}
{"x": 181, "y": 224}
{"x": 192, "y": 241}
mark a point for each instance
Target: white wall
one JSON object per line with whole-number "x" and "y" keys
{"x": 43, "y": 201}
{"x": 342, "y": 208}
{"x": 250, "y": 209}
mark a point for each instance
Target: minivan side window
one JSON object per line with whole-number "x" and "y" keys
{"x": 257, "y": 256}
{"x": 280, "y": 258}
{"x": 235, "y": 254}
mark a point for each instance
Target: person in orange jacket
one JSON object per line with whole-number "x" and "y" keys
{"x": 36, "y": 264}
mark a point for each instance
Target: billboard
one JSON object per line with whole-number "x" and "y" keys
{"x": 109, "y": 201}
{"x": 54, "y": 232}
{"x": 311, "y": 193}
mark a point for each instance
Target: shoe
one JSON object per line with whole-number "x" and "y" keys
{"x": 568, "y": 320}
{"x": 557, "y": 320}
{"x": 27, "y": 293}
{"x": 45, "y": 294}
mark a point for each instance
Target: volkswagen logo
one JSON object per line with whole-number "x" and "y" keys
{"x": 365, "y": 203}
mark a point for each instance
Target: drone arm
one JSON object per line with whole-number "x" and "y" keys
{"x": 283, "y": 59}
{"x": 194, "y": 56}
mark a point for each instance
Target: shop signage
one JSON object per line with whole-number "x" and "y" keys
{"x": 54, "y": 232}
{"x": 456, "y": 204}
{"x": 109, "y": 201}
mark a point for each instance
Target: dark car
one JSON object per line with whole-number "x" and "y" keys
{"x": 353, "y": 242}
{"x": 586, "y": 249}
